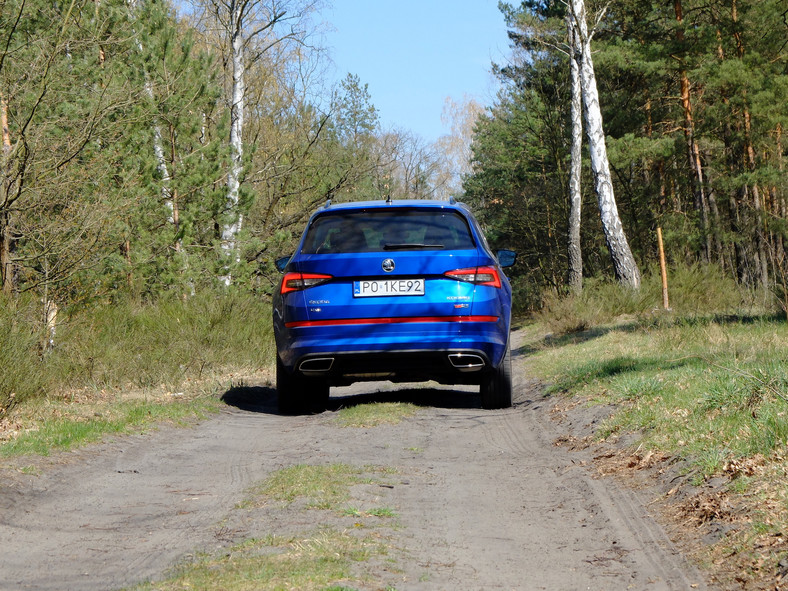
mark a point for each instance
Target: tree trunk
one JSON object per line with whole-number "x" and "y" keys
{"x": 233, "y": 226}
{"x": 575, "y": 167}
{"x": 693, "y": 154}
{"x": 779, "y": 196}
{"x": 626, "y": 268}
{"x": 757, "y": 205}
{"x": 741, "y": 251}
{"x": 158, "y": 142}
{"x": 762, "y": 264}
{"x": 6, "y": 268}
{"x": 6, "y": 265}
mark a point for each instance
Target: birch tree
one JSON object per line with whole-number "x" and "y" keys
{"x": 575, "y": 165}
{"x": 626, "y": 268}
{"x": 250, "y": 29}
{"x": 539, "y": 33}
{"x": 158, "y": 143}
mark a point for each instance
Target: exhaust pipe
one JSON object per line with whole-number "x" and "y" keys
{"x": 466, "y": 362}
{"x": 318, "y": 365}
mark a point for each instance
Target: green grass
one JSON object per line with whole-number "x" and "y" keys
{"x": 59, "y": 434}
{"x": 323, "y": 486}
{"x": 23, "y": 373}
{"x": 371, "y": 415}
{"x": 330, "y": 557}
{"x": 313, "y": 561}
{"x": 374, "y": 512}
{"x": 166, "y": 342}
{"x": 697, "y": 292}
{"x": 710, "y": 391}
{"x": 113, "y": 367}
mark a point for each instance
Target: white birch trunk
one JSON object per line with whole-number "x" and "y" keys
{"x": 626, "y": 268}
{"x": 158, "y": 143}
{"x": 231, "y": 228}
{"x": 575, "y": 166}
{"x": 161, "y": 160}
{"x": 50, "y": 320}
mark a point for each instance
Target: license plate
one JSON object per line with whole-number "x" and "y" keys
{"x": 388, "y": 287}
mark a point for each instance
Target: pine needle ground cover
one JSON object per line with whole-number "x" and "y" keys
{"x": 704, "y": 397}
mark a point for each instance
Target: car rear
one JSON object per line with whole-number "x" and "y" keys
{"x": 406, "y": 291}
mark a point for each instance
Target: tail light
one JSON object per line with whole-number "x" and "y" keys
{"x": 477, "y": 275}
{"x": 299, "y": 281}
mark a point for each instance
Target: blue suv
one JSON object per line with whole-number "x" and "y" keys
{"x": 405, "y": 291}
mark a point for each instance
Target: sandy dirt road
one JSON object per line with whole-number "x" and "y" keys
{"x": 484, "y": 499}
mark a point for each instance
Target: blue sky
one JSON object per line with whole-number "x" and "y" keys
{"x": 413, "y": 54}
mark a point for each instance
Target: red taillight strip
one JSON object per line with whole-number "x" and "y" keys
{"x": 299, "y": 281}
{"x": 477, "y": 275}
{"x": 401, "y": 320}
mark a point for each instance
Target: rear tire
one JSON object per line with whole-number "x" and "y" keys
{"x": 496, "y": 387}
{"x": 297, "y": 394}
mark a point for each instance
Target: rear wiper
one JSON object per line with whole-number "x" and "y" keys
{"x": 411, "y": 246}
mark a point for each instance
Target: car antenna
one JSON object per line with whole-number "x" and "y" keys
{"x": 328, "y": 203}
{"x": 388, "y": 198}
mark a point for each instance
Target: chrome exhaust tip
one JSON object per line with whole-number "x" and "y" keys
{"x": 318, "y": 365}
{"x": 466, "y": 362}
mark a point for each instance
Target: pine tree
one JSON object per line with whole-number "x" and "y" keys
{"x": 65, "y": 106}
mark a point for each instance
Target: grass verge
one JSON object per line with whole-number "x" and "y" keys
{"x": 69, "y": 426}
{"x": 707, "y": 393}
{"x": 712, "y": 390}
{"x": 170, "y": 343}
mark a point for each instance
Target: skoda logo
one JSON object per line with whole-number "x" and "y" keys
{"x": 388, "y": 265}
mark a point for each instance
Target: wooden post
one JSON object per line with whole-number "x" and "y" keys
{"x": 6, "y": 268}
{"x": 663, "y": 270}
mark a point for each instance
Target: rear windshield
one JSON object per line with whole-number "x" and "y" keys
{"x": 387, "y": 230}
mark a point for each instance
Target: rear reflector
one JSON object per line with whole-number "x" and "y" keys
{"x": 403, "y": 320}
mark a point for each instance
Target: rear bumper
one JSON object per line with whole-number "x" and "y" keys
{"x": 447, "y": 352}
{"x": 446, "y": 367}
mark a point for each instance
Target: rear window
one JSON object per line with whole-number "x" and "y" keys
{"x": 387, "y": 230}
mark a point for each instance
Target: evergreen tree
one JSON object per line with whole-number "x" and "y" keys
{"x": 66, "y": 102}
{"x": 183, "y": 157}
{"x": 689, "y": 92}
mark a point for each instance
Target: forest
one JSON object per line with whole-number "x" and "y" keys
{"x": 148, "y": 149}
{"x": 155, "y": 152}
{"x": 693, "y": 97}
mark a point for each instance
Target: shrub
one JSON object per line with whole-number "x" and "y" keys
{"x": 23, "y": 374}
{"x": 135, "y": 344}
{"x": 693, "y": 291}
